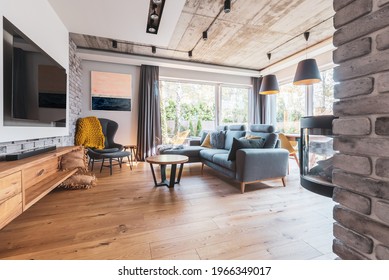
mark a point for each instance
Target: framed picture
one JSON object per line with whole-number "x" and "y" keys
{"x": 110, "y": 91}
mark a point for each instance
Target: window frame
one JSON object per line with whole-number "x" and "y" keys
{"x": 218, "y": 93}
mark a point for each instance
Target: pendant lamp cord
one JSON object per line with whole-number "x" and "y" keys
{"x": 306, "y": 36}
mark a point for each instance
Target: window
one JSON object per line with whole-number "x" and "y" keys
{"x": 186, "y": 106}
{"x": 234, "y": 108}
{"x": 323, "y": 96}
{"x": 193, "y": 107}
{"x": 290, "y": 108}
{"x": 292, "y": 102}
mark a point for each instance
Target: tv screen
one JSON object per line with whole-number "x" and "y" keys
{"x": 34, "y": 83}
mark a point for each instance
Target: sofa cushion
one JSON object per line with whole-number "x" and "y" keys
{"x": 203, "y": 136}
{"x": 266, "y": 128}
{"x": 230, "y": 135}
{"x": 248, "y": 136}
{"x": 221, "y": 127}
{"x": 218, "y": 139}
{"x": 244, "y": 143}
{"x": 271, "y": 140}
{"x": 236, "y": 127}
{"x": 207, "y": 141}
{"x": 222, "y": 160}
{"x": 209, "y": 153}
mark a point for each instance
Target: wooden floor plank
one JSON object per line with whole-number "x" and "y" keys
{"x": 204, "y": 217}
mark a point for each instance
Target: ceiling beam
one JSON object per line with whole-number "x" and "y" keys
{"x": 137, "y": 60}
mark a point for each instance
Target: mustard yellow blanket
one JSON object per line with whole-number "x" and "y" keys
{"x": 89, "y": 133}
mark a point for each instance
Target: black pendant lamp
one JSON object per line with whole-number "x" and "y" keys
{"x": 307, "y": 72}
{"x": 269, "y": 83}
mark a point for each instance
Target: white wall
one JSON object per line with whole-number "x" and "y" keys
{"x": 40, "y": 23}
{"x": 128, "y": 121}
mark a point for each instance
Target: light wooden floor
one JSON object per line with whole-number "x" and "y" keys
{"x": 205, "y": 217}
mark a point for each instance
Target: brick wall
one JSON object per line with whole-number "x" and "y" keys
{"x": 74, "y": 77}
{"x": 361, "y": 170}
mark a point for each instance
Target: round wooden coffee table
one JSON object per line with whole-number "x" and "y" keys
{"x": 164, "y": 160}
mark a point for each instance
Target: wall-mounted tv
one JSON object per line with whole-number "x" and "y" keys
{"x": 35, "y": 85}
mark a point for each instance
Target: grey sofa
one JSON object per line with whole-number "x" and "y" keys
{"x": 251, "y": 164}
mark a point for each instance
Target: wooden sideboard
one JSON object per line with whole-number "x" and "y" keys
{"x": 24, "y": 182}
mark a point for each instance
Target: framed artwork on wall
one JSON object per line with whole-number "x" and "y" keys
{"x": 110, "y": 91}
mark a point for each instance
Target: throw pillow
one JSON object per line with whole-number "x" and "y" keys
{"x": 271, "y": 141}
{"x": 230, "y": 135}
{"x": 242, "y": 144}
{"x": 72, "y": 160}
{"x": 207, "y": 141}
{"x": 203, "y": 135}
{"x": 248, "y": 136}
{"x": 217, "y": 139}
{"x": 79, "y": 181}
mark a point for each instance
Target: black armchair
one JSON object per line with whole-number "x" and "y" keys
{"x": 109, "y": 128}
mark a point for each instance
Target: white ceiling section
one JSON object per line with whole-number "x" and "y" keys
{"x": 124, "y": 20}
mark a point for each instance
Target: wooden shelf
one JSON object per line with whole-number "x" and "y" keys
{"x": 39, "y": 190}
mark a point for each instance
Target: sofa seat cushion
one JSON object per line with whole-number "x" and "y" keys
{"x": 222, "y": 160}
{"x": 208, "y": 154}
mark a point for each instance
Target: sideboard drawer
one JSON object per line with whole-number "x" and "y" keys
{"x": 10, "y": 186}
{"x": 35, "y": 174}
{"x": 10, "y": 198}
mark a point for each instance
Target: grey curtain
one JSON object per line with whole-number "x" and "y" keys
{"x": 260, "y": 109}
{"x": 149, "y": 118}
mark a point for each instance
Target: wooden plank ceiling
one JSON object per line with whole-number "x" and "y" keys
{"x": 240, "y": 38}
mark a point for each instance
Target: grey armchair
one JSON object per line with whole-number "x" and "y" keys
{"x": 109, "y": 128}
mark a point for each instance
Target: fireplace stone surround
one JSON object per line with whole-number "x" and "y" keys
{"x": 361, "y": 170}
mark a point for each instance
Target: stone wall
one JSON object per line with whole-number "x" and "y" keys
{"x": 362, "y": 166}
{"x": 75, "y": 106}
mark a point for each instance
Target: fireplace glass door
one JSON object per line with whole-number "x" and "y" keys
{"x": 316, "y": 154}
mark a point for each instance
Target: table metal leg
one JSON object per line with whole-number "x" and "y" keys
{"x": 172, "y": 181}
{"x": 163, "y": 172}
{"x": 152, "y": 171}
{"x": 172, "y": 176}
{"x": 180, "y": 173}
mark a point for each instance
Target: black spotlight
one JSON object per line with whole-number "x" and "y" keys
{"x": 190, "y": 53}
{"x": 153, "y": 49}
{"x": 114, "y": 44}
{"x": 227, "y": 6}
{"x": 205, "y": 35}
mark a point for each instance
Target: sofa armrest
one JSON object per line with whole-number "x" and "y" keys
{"x": 194, "y": 142}
{"x": 260, "y": 164}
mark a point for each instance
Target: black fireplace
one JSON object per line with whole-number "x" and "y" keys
{"x": 316, "y": 154}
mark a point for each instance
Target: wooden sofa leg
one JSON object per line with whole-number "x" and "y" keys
{"x": 283, "y": 181}
{"x": 202, "y": 168}
{"x": 242, "y": 186}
